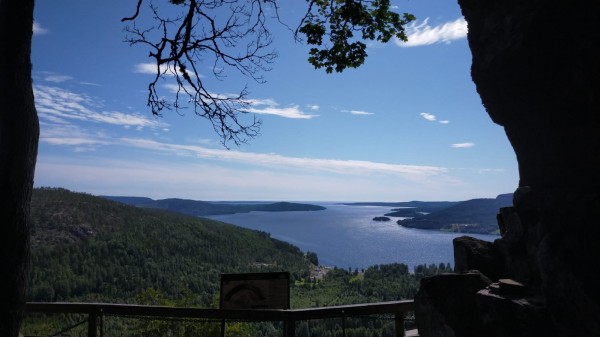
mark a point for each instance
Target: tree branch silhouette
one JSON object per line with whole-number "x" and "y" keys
{"x": 232, "y": 34}
{"x": 226, "y": 34}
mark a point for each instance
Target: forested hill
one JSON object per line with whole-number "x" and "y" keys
{"x": 89, "y": 248}
{"x": 471, "y": 216}
{"x": 203, "y": 208}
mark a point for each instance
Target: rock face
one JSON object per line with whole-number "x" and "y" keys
{"x": 446, "y": 318}
{"x": 475, "y": 254}
{"x": 536, "y": 66}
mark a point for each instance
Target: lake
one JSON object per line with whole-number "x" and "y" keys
{"x": 346, "y": 236}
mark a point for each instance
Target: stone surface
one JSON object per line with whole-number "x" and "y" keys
{"x": 445, "y": 305}
{"x": 513, "y": 315}
{"x": 542, "y": 85}
{"x": 536, "y": 67}
{"x": 474, "y": 254}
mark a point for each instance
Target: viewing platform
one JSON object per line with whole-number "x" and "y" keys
{"x": 96, "y": 315}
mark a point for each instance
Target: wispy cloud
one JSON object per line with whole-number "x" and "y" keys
{"x": 313, "y": 107}
{"x": 91, "y": 84}
{"x": 444, "y": 122}
{"x": 56, "y": 104}
{"x": 262, "y": 106}
{"x": 409, "y": 172}
{"x": 422, "y": 34}
{"x": 270, "y": 107}
{"x": 151, "y": 69}
{"x": 358, "y": 112}
{"x": 38, "y": 29}
{"x": 57, "y": 78}
{"x": 463, "y": 145}
{"x": 78, "y": 139}
{"x": 147, "y": 177}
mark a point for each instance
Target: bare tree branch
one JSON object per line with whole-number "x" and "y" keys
{"x": 233, "y": 35}
{"x": 224, "y": 34}
{"x": 137, "y": 12}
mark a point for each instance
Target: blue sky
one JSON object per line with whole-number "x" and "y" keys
{"x": 407, "y": 125}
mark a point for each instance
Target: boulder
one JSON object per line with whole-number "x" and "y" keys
{"x": 446, "y": 306}
{"x": 474, "y": 254}
{"x": 509, "y": 308}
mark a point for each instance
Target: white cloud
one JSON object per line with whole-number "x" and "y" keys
{"x": 432, "y": 118}
{"x": 38, "y": 29}
{"x": 313, "y": 107}
{"x": 150, "y": 69}
{"x": 72, "y": 141}
{"x": 358, "y": 112}
{"x": 422, "y": 34}
{"x": 57, "y": 104}
{"x": 258, "y": 101}
{"x": 428, "y": 116}
{"x": 125, "y": 119}
{"x": 57, "y": 78}
{"x": 78, "y": 139}
{"x": 270, "y": 107}
{"x": 261, "y": 106}
{"x": 91, "y": 83}
{"x": 415, "y": 173}
{"x": 463, "y": 145}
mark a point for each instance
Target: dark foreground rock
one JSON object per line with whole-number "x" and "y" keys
{"x": 446, "y": 306}
{"x": 540, "y": 81}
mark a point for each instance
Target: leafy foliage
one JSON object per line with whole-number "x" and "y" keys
{"x": 312, "y": 258}
{"x": 339, "y": 21}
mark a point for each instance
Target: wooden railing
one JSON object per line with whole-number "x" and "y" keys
{"x": 96, "y": 311}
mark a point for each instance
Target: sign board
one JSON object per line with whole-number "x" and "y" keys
{"x": 255, "y": 291}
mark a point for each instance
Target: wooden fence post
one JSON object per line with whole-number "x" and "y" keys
{"x": 92, "y": 323}
{"x": 399, "y": 324}
{"x": 289, "y": 328}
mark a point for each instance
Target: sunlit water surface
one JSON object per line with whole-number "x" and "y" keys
{"x": 346, "y": 236}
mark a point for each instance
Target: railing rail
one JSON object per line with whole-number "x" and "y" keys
{"x": 287, "y": 316}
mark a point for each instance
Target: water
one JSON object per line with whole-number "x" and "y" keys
{"x": 346, "y": 236}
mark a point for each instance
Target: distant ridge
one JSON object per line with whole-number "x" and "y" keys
{"x": 204, "y": 208}
{"x": 409, "y": 207}
{"x": 471, "y": 216}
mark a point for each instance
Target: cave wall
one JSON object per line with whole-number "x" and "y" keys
{"x": 536, "y": 67}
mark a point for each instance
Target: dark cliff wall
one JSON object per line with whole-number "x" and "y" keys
{"x": 536, "y": 66}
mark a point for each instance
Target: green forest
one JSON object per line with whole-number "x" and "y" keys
{"x": 91, "y": 249}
